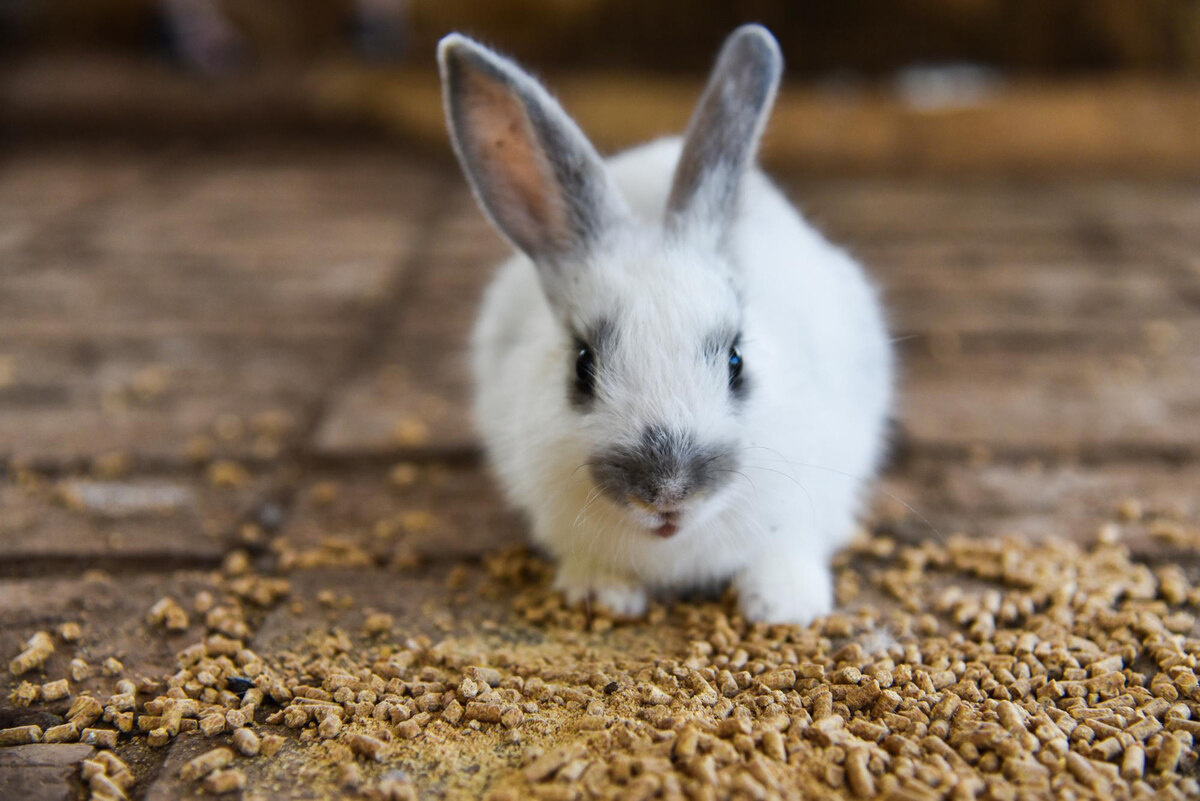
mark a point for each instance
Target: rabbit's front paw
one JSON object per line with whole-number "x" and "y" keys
{"x": 619, "y": 597}
{"x": 784, "y": 589}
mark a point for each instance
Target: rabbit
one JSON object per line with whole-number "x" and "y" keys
{"x": 678, "y": 380}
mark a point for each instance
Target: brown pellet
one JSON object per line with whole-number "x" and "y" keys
{"x": 686, "y": 742}
{"x": 366, "y": 746}
{"x": 70, "y": 632}
{"x": 1169, "y": 752}
{"x": 104, "y": 788}
{"x": 66, "y": 733}
{"x": 115, "y": 768}
{"x": 1083, "y": 770}
{"x": 204, "y": 764}
{"x": 1133, "y": 764}
{"x": 779, "y": 679}
{"x": 484, "y": 675}
{"x": 212, "y": 724}
{"x": 1144, "y": 728}
{"x": 861, "y": 782}
{"x": 100, "y": 738}
{"x": 511, "y": 716}
{"x": 546, "y": 765}
{"x": 38, "y": 649}
{"x": 78, "y": 669}
{"x": 20, "y": 735}
{"x": 486, "y": 713}
{"x": 773, "y": 745}
{"x": 271, "y": 743}
{"x": 246, "y": 742}
{"x": 225, "y": 781}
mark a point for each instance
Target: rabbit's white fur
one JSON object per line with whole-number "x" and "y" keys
{"x": 807, "y": 438}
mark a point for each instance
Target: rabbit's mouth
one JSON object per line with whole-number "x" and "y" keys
{"x": 663, "y": 523}
{"x": 668, "y": 525}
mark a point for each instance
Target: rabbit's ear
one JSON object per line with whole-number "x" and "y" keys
{"x": 723, "y": 134}
{"x": 535, "y": 174}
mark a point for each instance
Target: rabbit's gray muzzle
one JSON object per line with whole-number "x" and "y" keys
{"x": 662, "y": 470}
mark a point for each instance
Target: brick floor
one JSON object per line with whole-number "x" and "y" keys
{"x": 301, "y": 310}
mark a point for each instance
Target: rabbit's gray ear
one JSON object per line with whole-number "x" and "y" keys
{"x": 534, "y": 173}
{"x": 723, "y": 134}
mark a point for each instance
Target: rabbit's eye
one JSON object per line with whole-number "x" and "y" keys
{"x": 735, "y": 369}
{"x": 585, "y": 370}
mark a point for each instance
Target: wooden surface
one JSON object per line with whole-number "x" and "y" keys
{"x": 301, "y": 310}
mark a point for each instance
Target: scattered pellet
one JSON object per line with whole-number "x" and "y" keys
{"x": 366, "y": 746}
{"x": 100, "y": 738}
{"x": 484, "y": 675}
{"x": 70, "y": 632}
{"x": 38, "y": 649}
{"x": 204, "y": 764}
{"x": 169, "y": 614}
{"x": 349, "y": 775}
{"x": 858, "y": 776}
{"x": 65, "y": 733}
{"x": 26, "y": 694}
{"x": 545, "y": 766}
{"x": 246, "y": 742}
{"x": 779, "y": 679}
{"x": 377, "y": 623}
{"x": 511, "y": 716}
{"x": 79, "y": 670}
{"x": 485, "y": 713}
{"x": 1169, "y": 751}
{"x": 103, "y": 788}
{"x": 20, "y": 735}
{"x": 85, "y": 710}
{"x": 55, "y": 690}
{"x": 1133, "y": 764}
{"x": 329, "y": 727}
{"x": 225, "y": 781}
{"x": 212, "y": 724}
{"x": 271, "y": 743}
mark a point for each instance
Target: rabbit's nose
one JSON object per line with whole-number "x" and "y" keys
{"x": 661, "y": 470}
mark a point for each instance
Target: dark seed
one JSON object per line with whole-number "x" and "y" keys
{"x": 238, "y": 685}
{"x": 269, "y": 516}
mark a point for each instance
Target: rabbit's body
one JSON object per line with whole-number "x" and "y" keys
{"x": 608, "y": 356}
{"x": 814, "y": 431}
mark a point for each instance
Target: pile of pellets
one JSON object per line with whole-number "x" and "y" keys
{"x": 956, "y": 669}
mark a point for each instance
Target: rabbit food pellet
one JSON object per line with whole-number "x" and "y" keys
{"x": 20, "y": 735}
{"x": 206, "y": 763}
{"x": 37, "y": 650}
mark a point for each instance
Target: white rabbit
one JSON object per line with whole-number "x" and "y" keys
{"x": 678, "y": 380}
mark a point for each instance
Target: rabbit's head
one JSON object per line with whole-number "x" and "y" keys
{"x": 650, "y": 358}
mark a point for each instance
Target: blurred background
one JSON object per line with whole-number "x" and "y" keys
{"x": 980, "y": 84}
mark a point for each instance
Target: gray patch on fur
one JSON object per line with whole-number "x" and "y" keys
{"x": 663, "y": 468}
{"x": 725, "y": 128}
